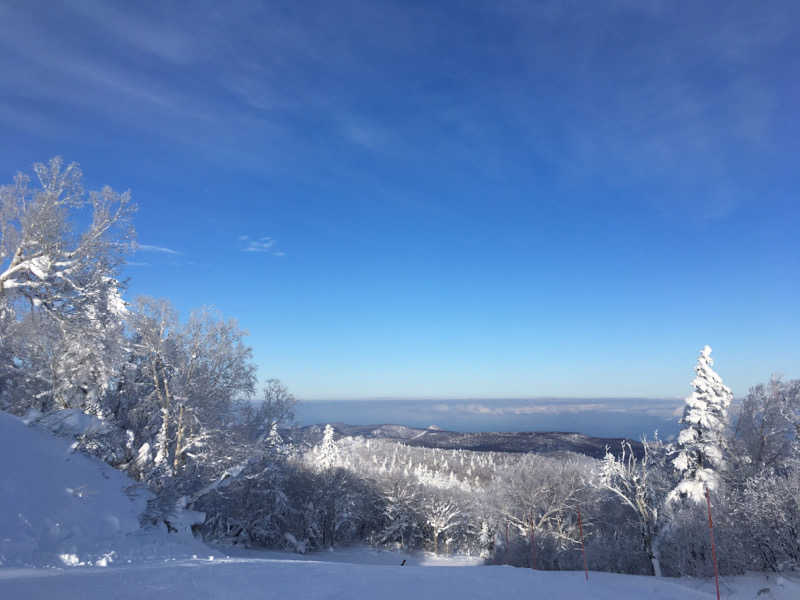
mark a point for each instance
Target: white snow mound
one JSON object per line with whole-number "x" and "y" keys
{"x": 64, "y": 508}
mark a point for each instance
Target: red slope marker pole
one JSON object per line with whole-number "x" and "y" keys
{"x": 583, "y": 547}
{"x": 713, "y": 549}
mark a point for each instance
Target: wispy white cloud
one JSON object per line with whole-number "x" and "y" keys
{"x": 656, "y": 408}
{"x": 487, "y": 409}
{"x": 137, "y": 247}
{"x": 264, "y": 244}
{"x": 609, "y": 101}
{"x": 142, "y": 32}
{"x": 362, "y": 133}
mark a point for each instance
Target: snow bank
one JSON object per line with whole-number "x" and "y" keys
{"x": 63, "y": 508}
{"x": 69, "y": 422}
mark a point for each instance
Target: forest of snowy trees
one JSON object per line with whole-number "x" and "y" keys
{"x": 177, "y": 406}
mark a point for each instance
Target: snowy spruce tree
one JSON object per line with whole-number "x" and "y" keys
{"x": 701, "y": 442}
{"x": 327, "y": 450}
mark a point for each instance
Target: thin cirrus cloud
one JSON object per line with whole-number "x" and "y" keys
{"x": 261, "y": 68}
{"x": 151, "y": 248}
{"x": 264, "y": 244}
{"x": 663, "y": 408}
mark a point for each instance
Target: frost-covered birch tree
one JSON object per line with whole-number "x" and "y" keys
{"x": 768, "y": 425}
{"x": 276, "y": 409}
{"x": 185, "y": 378}
{"x": 639, "y": 486}
{"x": 402, "y": 511}
{"x": 59, "y": 283}
{"x": 42, "y": 257}
{"x": 701, "y": 442}
{"x": 443, "y": 515}
{"x": 542, "y": 494}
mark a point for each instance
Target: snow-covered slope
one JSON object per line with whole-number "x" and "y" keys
{"x": 306, "y": 579}
{"x": 59, "y": 507}
{"x": 65, "y": 510}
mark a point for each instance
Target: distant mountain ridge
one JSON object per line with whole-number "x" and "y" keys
{"x": 432, "y": 437}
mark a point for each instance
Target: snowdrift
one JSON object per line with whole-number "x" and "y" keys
{"x": 64, "y": 508}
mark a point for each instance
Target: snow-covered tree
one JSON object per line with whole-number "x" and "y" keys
{"x": 768, "y": 424}
{"x": 274, "y": 442}
{"x": 701, "y": 442}
{"x": 638, "y": 485}
{"x": 403, "y": 513}
{"x": 59, "y": 287}
{"x": 41, "y": 258}
{"x": 327, "y": 452}
{"x": 154, "y": 324}
{"x": 248, "y": 505}
{"x": 183, "y": 380}
{"x": 543, "y": 494}
{"x": 62, "y": 364}
{"x": 443, "y": 515}
{"x": 276, "y": 409}
{"x": 486, "y": 537}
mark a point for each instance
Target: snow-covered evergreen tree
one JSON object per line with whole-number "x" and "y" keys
{"x": 327, "y": 451}
{"x": 701, "y": 443}
{"x": 486, "y": 540}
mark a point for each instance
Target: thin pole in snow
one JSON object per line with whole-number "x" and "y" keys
{"x": 533, "y": 544}
{"x": 583, "y": 547}
{"x": 713, "y": 548}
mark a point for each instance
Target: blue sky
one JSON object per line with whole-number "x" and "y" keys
{"x": 415, "y": 199}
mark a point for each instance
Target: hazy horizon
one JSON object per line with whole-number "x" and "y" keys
{"x": 426, "y": 398}
{"x": 600, "y": 417}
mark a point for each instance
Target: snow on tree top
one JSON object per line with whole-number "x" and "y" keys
{"x": 701, "y": 442}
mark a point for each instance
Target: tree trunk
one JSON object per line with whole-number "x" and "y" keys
{"x": 651, "y": 546}
{"x": 178, "y": 440}
{"x": 162, "y": 454}
{"x": 655, "y": 562}
{"x": 713, "y": 548}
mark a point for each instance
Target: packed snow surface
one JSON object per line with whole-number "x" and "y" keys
{"x": 63, "y": 508}
{"x": 69, "y": 528}
{"x": 229, "y": 578}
